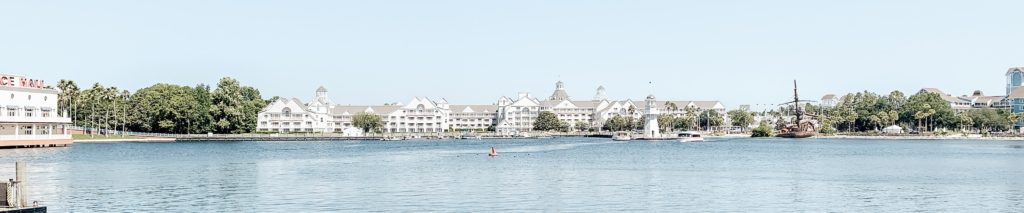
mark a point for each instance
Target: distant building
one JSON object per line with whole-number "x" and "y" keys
{"x": 1014, "y": 91}
{"x": 29, "y": 114}
{"x": 1014, "y": 78}
{"x": 507, "y": 116}
{"x": 829, "y": 100}
{"x": 958, "y": 105}
{"x": 593, "y": 112}
{"x": 978, "y": 99}
{"x": 420, "y": 115}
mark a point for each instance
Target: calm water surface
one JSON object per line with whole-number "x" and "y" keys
{"x": 571, "y": 174}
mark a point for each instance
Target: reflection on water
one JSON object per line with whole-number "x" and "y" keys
{"x": 557, "y": 174}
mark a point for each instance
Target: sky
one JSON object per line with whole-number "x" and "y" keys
{"x": 473, "y": 52}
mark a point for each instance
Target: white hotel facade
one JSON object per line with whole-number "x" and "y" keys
{"x": 29, "y": 115}
{"x": 509, "y": 115}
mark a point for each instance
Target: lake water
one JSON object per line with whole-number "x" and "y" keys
{"x": 566, "y": 174}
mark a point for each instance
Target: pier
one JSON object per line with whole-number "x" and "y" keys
{"x": 14, "y": 193}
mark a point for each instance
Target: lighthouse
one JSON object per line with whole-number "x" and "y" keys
{"x": 651, "y": 129}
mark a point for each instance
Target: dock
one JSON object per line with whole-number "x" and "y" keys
{"x": 41, "y": 209}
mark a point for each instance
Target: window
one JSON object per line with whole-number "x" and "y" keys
{"x": 28, "y": 112}
{"x": 46, "y": 113}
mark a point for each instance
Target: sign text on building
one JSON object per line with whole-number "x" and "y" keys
{"x": 18, "y": 81}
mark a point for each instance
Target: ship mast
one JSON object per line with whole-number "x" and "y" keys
{"x": 796, "y": 103}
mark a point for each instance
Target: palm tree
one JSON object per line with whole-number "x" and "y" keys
{"x": 1014, "y": 118}
{"x": 691, "y": 113}
{"x": 672, "y": 107}
{"x": 125, "y": 96}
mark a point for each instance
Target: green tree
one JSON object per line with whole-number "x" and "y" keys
{"x": 964, "y": 121}
{"x": 683, "y": 123}
{"x": 163, "y": 108}
{"x": 740, "y": 118}
{"x": 368, "y": 122}
{"x": 711, "y": 118}
{"x": 928, "y": 110}
{"x": 666, "y": 123}
{"x": 670, "y": 106}
{"x": 65, "y": 98}
{"x": 763, "y": 130}
{"x": 582, "y": 126}
{"x": 200, "y": 119}
{"x": 547, "y": 121}
{"x": 617, "y": 123}
{"x": 989, "y": 120}
{"x": 235, "y": 107}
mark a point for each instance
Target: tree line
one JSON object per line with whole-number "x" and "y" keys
{"x": 925, "y": 111}
{"x": 163, "y": 108}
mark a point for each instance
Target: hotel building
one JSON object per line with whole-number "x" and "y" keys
{"x": 518, "y": 115}
{"x": 426, "y": 116}
{"x": 29, "y": 115}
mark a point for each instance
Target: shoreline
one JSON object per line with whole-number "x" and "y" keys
{"x": 118, "y": 140}
{"x": 329, "y": 138}
{"x": 884, "y": 137}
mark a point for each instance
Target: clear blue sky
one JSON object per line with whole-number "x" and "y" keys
{"x": 472, "y": 52}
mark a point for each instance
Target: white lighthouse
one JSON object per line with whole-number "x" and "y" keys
{"x": 651, "y": 129}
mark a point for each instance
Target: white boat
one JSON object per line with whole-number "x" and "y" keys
{"x": 524, "y": 134}
{"x": 392, "y": 139}
{"x": 690, "y": 137}
{"x": 622, "y": 136}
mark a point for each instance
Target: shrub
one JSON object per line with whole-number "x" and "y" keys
{"x": 763, "y": 131}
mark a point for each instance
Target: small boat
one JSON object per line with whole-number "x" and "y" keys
{"x": 690, "y": 137}
{"x": 622, "y": 136}
{"x": 493, "y": 153}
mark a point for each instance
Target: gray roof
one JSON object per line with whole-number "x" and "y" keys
{"x": 586, "y": 104}
{"x": 352, "y": 110}
{"x": 988, "y": 98}
{"x": 828, "y": 97}
{"x": 476, "y": 108}
{"x": 550, "y": 103}
{"x": 1012, "y": 69}
{"x": 559, "y": 95}
{"x": 934, "y": 90}
{"x": 943, "y": 95}
{"x": 300, "y": 103}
